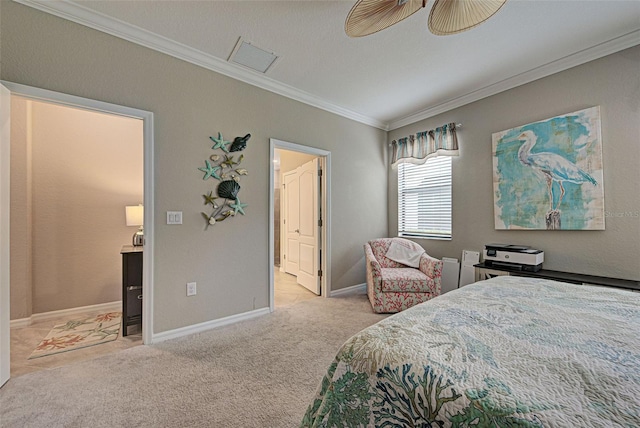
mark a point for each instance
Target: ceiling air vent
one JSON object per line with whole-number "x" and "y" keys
{"x": 253, "y": 57}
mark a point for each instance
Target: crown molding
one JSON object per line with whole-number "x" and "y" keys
{"x": 598, "y": 51}
{"x": 101, "y": 22}
{"x": 98, "y": 21}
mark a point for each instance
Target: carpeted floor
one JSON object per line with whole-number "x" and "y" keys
{"x": 257, "y": 373}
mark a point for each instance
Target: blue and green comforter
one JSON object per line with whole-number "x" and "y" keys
{"x": 507, "y": 352}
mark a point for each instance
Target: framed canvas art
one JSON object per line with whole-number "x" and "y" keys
{"x": 548, "y": 174}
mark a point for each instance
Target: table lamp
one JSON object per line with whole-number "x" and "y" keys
{"x": 134, "y": 217}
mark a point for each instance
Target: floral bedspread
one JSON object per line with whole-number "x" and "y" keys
{"x": 506, "y": 352}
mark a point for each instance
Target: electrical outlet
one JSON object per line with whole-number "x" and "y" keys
{"x": 191, "y": 288}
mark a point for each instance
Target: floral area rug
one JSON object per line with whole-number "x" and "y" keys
{"x": 80, "y": 333}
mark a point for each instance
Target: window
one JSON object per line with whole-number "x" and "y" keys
{"x": 424, "y": 199}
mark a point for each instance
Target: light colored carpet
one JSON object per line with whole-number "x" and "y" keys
{"x": 257, "y": 373}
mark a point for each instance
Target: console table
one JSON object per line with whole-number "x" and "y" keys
{"x": 485, "y": 272}
{"x": 131, "y": 286}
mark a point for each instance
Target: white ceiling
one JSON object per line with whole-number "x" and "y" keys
{"x": 389, "y": 79}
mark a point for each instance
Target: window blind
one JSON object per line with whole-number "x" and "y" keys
{"x": 424, "y": 199}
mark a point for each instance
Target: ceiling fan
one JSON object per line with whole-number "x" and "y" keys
{"x": 446, "y": 16}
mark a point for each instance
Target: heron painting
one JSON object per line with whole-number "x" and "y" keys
{"x": 548, "y": 174}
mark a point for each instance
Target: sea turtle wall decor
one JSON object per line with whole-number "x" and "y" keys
{"x": 226, "y": 169}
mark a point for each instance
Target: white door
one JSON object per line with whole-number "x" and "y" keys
{"x": 5, "y": 105}
{"x": 309, "y": 227}
{"x": 291, "y": 226}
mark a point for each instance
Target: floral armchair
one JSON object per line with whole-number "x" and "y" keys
{"x": 393, "y": 286}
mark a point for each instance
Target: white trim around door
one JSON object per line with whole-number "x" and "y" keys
{"x": 5, "y": 229}
{"x": 59, "y": 98}
{"x": 325, "y": 207}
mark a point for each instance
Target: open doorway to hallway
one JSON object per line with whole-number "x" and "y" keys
{"x": 296, "y": 208}
{"x": 300, "y": 238}
{"x": 73, "y": 171}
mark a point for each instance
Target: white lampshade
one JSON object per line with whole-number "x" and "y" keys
{"x": 134, "y": 215}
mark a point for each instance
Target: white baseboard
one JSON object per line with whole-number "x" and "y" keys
{"x": 22, "y": 322}
{"x": 354, "y": 289}
{"x": 43, "y": 316}
{"x": 207, "y": 325}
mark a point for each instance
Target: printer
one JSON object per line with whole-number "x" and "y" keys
{"x": 513, "y": 257}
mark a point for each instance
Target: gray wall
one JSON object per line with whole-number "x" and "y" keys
{"x": 613, "y": 83}
{"x": 230, "y": 260}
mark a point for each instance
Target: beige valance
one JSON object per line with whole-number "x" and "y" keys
{"x": 417, "y": 148}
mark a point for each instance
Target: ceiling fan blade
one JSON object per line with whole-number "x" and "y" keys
{"x": 370, "y": 16}
{"x": 455, "y": 16}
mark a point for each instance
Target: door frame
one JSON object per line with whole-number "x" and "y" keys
{"x": 325, "y": 207}
{"x": 62, "y": 99}
{"x": 5, "y": 232}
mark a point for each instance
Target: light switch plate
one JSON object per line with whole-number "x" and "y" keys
{"x": 174, "y": 217}
{"x": 191, "y": 288}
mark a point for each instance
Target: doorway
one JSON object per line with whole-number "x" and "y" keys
{"x": 72, "y": 173}
{"x": 299, "y": 231}
{"x": 114, "y": 111}
{"x": 297, "y": 215}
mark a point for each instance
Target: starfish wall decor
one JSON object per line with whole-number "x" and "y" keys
{"x": 226, "y": 169}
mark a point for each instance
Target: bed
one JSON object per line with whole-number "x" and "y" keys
{"x": 505, "y": 352}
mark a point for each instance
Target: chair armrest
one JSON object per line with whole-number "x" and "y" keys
{"x": 374, "y": 270}
{"x": 431, "y": 267}
{"x": 371, "y": 260}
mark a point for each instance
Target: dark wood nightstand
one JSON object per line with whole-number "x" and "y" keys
{"x": 131, "y": 286}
